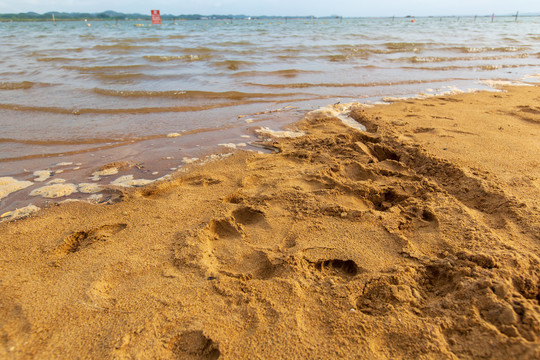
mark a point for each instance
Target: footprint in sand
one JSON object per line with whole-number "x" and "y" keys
{"x": 224, "y": 247}
{"x": 83, "y": 239}
{"x": 194, "y": 345}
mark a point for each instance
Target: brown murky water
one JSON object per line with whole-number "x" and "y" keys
{"x": 75, "y": 97}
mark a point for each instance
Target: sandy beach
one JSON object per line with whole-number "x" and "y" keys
{"x": 417, "y": 238}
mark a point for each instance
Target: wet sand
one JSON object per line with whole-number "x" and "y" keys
{"x": 417, "y": 238}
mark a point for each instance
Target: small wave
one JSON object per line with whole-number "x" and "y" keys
{"x": 120, "y": 78}
{"x": 511, "y": 49}
{"x": 348, "y": 56}
{"x": 434, "y": 59}
{"x": 439, "y": 68}
{"x": 136, "y": 40}
{"x": 93, "y": 69}
{"x": 60, "y": 59}
{"x": 343, "y": 85}
{"x": 165, "y": 58}
{"x": 146, "y": 110}
{"x": 489, "y": 67}
{"x": 65, "y": 153}
{"x": 87, "y": 37}
{"x": 232, "y": 64}
{"x": 110, "y": 144}
{"x": 233, "y": 43}
{"x": 191, "y": 94}
{"x": 16, "y": 85}
{"x": 119, "y": 46}
{"x": 179, "y": 37}
{"x": 405, "y": 46}
{"x": 77, "y": 50}
{"x": 479, "y": 50}
{"x": 288, "y": 73}
{"x": 198, "y": 50}
{"x": 61, "y": 142}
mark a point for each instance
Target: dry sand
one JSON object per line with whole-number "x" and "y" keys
{"x": 416, "y": 239}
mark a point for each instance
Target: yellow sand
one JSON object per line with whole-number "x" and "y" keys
{"x": 416, "y": 239}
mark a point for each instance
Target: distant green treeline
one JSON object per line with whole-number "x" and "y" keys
{"x": 113, "y": 15}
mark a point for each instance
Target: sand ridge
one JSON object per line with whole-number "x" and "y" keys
{"x": 394, "y": 242}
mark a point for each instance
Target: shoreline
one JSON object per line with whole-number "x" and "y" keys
{"x": 148, "y": 164}
{"x": 415, "y": 237}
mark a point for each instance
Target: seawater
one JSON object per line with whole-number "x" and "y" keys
{"x": 91, "y": 93}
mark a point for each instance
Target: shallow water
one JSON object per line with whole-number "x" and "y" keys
{"x": 91, "y": 95}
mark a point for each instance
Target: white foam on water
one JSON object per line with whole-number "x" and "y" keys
{"x": 173, "y": 135}
{"x": 89, "y": 188}
{"x": 19, "y": 213}
{"x": 187, "y": 160}
{"x": 55, "y": 191}
{"x": 106, "y": 172}
{"x": 129, "y": 181}
{"x": 340, "y": 111}
{"x": 42, "y": 175}
{"x": 96, "y": 175}
{"x": 497, "y": 84}
{"x": 10, "y": 185}
{"x": 280, "y": 134}
{"x": 95, "y": 197}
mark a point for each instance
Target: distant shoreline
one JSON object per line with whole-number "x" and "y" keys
{"x": 112, "y": 15}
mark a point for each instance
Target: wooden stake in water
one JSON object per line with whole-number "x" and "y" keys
{"x": 53, "y": 20}
{"x": 517, "y": 15}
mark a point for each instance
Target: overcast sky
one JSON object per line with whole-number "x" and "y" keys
{"x": 281, "y": 7}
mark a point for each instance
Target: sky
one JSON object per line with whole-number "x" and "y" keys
{"x": 347, "y": 8}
